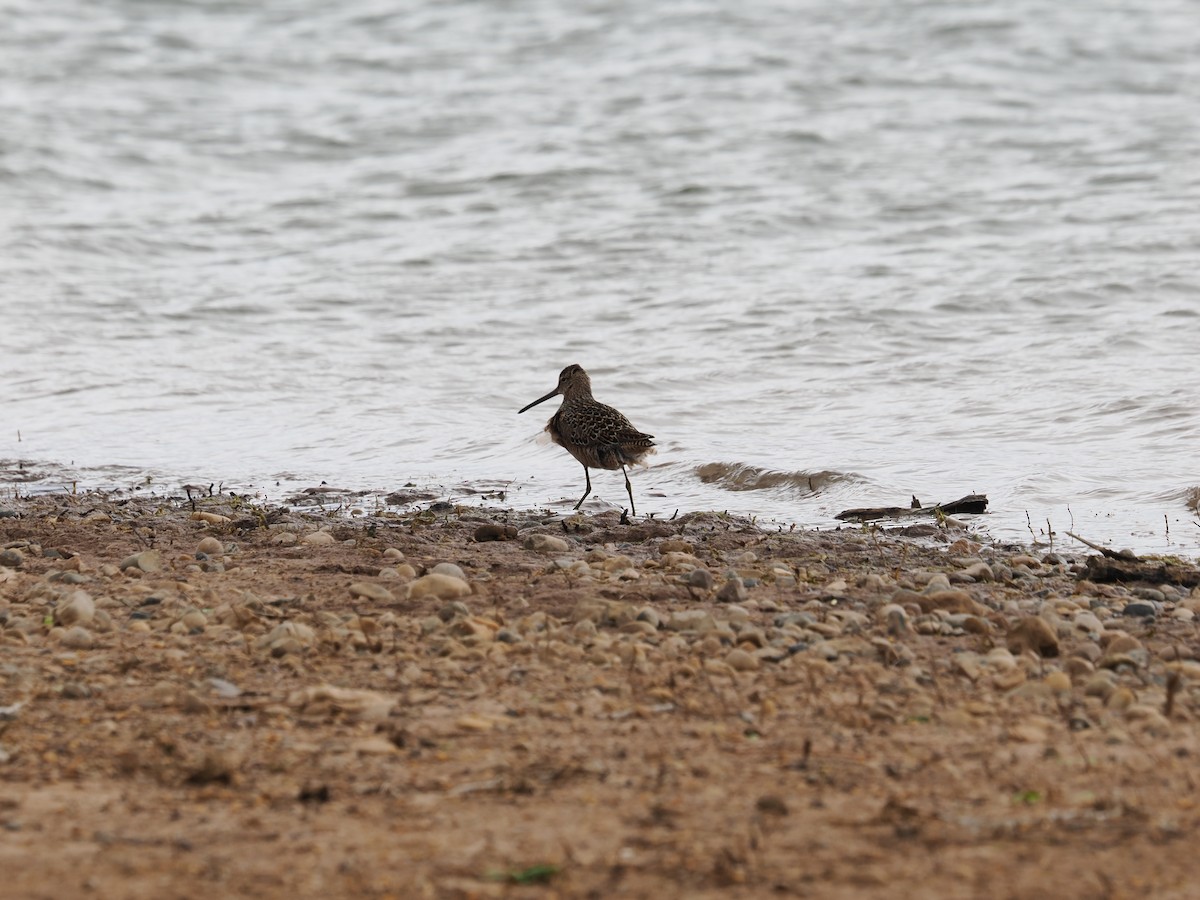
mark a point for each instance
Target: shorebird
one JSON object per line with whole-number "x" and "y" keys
{"x": 597, "y": 435}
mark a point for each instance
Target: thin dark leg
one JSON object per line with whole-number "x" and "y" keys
{"x": 589, "y": 488}
{"x": 629, "y": 488}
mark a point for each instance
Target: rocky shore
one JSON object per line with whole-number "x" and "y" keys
{"x": 211, "y": 697}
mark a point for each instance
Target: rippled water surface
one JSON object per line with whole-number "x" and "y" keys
{"x": 831, "y": 255}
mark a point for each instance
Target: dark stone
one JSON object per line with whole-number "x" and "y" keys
{"x": 1139, "y": 609}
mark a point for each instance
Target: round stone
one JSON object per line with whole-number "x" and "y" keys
{"x": 209, "y": 546}
{"x": 442, "y": 587}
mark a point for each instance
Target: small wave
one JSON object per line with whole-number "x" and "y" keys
{"x": 741, "y": 477}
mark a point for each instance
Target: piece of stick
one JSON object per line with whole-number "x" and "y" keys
{"x": 1103, "y": 551}
{"x": 972, "y": 503}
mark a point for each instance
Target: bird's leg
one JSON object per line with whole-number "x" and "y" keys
{"x": 629, "y": 488}
{"x": 589, "y": 488}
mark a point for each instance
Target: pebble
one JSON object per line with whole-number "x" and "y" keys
{"x": 617, "y": 563}
{"x": 701, "y": 579}
{"x": 1141, "y": 610}
{"x": 77, "y": 609}
{"x": 1009, "y": 679}
{"x": 287, "y": 637}
{"x": 78, "y": 638}
{"x": 1079, "y": 668}
{"x": 1033, "y": 634}
{"x": 147, "y": 561}
{"x": 441, "y": 587}
{"x": 980, "y": 571}
{"x": 546, "y": 543}
{"x": 369, "y": 591}
{"x": 1120, "y": 698}
{"x": 638, "y": 626}
{"x": 691, "y": 620}
{"x": 648, "y": 614}
{"x": 936, "y": 581}
{"x": 194, "y": 620}
{"x": 445, "y": 568}
{"x": 209, "y": 546}
{"x": 947, "y": 600}
{"x": 1131, "y": 660}
{"x": 318, "y": 539}
{"x": 1099, "y": 685}
{"x": 1088, "y": 622}
{"x": 210, "y": 518}
{"x": 673, "y": 545}
{"x": 453, "y": 611}
{"x": 1122, "y": 643}
{"x": 733, "y": 591}
{"x": 11, "y": 558}
{"x": 968, "y": 664}
{"x": 1001, "y": 659}
{"x": 741, "y": 661}
{"x": 1059, "y": 682}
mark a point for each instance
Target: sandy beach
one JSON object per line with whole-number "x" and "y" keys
{"x": 214, "y": 698}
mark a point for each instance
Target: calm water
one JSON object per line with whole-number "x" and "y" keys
{"x": 831, "y": 255}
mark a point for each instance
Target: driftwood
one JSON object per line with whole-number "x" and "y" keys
{"x": 1108, "y": 569}
{"x": 1122, "y": 565}
{"x": 972, "y": 503}
{"x": 1127, "y": 555}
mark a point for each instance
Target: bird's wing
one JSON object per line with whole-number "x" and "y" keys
{"x": 597, "y": 425}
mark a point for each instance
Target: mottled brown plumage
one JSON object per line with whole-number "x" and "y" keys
{"x": 597, "y": 435}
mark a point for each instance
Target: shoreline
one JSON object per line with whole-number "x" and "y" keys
{"x": 1168, "y": 526}
{"x": 477, "y": 702}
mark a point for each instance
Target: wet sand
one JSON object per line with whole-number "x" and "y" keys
{"x": 221, "y": 699}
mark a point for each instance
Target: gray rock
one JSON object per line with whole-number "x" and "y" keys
{"x": 147, "y": 561}
{"x": 980, "y": 571}
{"x": 453, "y": 611}
{"x": 701, "y": 579}
{"x": 77, "y": 609}
{"x": 1140, "y": 609}
{"x": 733, "y": 591}
{"x": 650, "y": 615}
{"x": 11, "y": 558}
{"x": 896, "y": 619}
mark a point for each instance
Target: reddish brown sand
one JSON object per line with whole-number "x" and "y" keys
{"x": 260, "y": 732}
